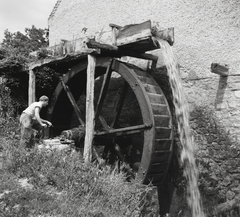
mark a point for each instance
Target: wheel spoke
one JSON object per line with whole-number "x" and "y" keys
{"x": 73, "y": 102}
{"x": 120, "y": 105}
{"x": 103, "y": 92}
{"x": 104, "y": 123}
{"x": 124, "y": 130}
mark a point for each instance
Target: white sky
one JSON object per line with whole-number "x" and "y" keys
{"x": 16, "y": 15}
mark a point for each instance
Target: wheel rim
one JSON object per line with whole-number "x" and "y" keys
{"x": 156, "y": 125}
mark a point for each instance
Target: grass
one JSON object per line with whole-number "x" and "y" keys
{"x": 60, "y": 184}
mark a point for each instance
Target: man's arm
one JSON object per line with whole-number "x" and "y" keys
{"x": 46, "y": 122}
{"x": 37, "y": 115}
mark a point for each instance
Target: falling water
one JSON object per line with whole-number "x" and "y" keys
{"x": 182, "y": 116}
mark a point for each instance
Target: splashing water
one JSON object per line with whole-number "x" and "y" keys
{"x": 182, "y": 116}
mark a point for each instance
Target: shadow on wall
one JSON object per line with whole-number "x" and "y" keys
{"x": 222, "y": 85}
{"x": 223, "y": 71}
{"x": 218, "y": 159}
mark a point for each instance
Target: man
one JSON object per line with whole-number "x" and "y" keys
{"x": 30, "y": 120}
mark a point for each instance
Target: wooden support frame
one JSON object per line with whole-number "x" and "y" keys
{"x": 112, "y": 50}
{"x": 87, "y": 155}
{"x": 31, "y": 87}
{"x": 73, "y": 102}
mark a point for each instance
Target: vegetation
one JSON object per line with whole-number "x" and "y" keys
{"x": 40, "y": 182}
{"x": 55, "y": 183}
{"x": 51, "y": 183}
{"x": 15, "y": 47}
{"x": 14, "y": 56}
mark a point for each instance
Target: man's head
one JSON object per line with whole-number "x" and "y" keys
{"x": 44, "y": 99}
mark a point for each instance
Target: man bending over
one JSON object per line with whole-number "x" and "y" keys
{"x": 30, "y": 120}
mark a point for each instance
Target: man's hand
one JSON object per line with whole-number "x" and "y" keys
{"x": 44, "y": 125}
{"x": 49, "y": 124}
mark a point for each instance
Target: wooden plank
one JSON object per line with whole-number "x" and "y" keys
{"x": 222, "y": 70}
{"x": 160, "y": 109}
{"x": 144, "y": 44}
{"x": 114, "y": 40}
{"x": 161, "y": 156}
{"x": 31, "y": 87}
{"x": 73, "y": 102}
{"x": 162, "y": 120}
{"x": 156, "y": 98}
{"x": 163, "y": 144}
{"x": 111, "y": 50}
{"x": 133, "y": 32}
{"x": 125, "y": 130}
{"x": 59, "y": 59}
{"x": 118, "y": 109}
{"x": 90, "y": 108}
{"x": 163, "y": 133}
{"x": 158, "y": 167}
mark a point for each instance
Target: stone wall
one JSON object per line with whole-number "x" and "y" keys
{"x": 205, "y": 32}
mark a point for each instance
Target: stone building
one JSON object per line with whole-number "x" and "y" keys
{"x": 206, "y": 32}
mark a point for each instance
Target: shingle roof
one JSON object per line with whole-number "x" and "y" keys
{"x": 54, "y": 9}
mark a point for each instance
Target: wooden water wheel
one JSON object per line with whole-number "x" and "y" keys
{"x": 133, "y": 121}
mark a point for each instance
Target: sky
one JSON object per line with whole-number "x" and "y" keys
{"x": 16, "y": 15}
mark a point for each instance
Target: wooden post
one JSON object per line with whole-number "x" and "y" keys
{"x": 114, "y": 29}
{"x": 87, "y": 154}
{"x": 220, "y": 69}
{"x": 114, "y": 40}
{"x": 31, "y": 87}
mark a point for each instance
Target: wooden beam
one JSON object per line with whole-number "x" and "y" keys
{"x": 73, "y": 102}
{"x": 31, "y": 87}
{"x": 60, "y": 59}
{"x": 118, "y": 109}
{"x": 125, "y": 130}
{"x": 87, "y": 154}
{"x": 114, "y": 39}
{"x": 133, "y": 33}
{"x": 113, "y": 50}
{"x": 103, "y": 91}
{"x": 222, "y": 70}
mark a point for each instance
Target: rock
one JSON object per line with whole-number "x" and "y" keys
{"x": 230, "y": 195}
{"x": 56, "y": 145}
{"x": 227, "y": 181}
{"x": 51, "y": 142}
{"x": 24, "y": 183}
{"x": 227, "y": 205}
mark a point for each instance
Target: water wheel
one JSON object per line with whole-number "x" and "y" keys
{"x": 133, "y": 121}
